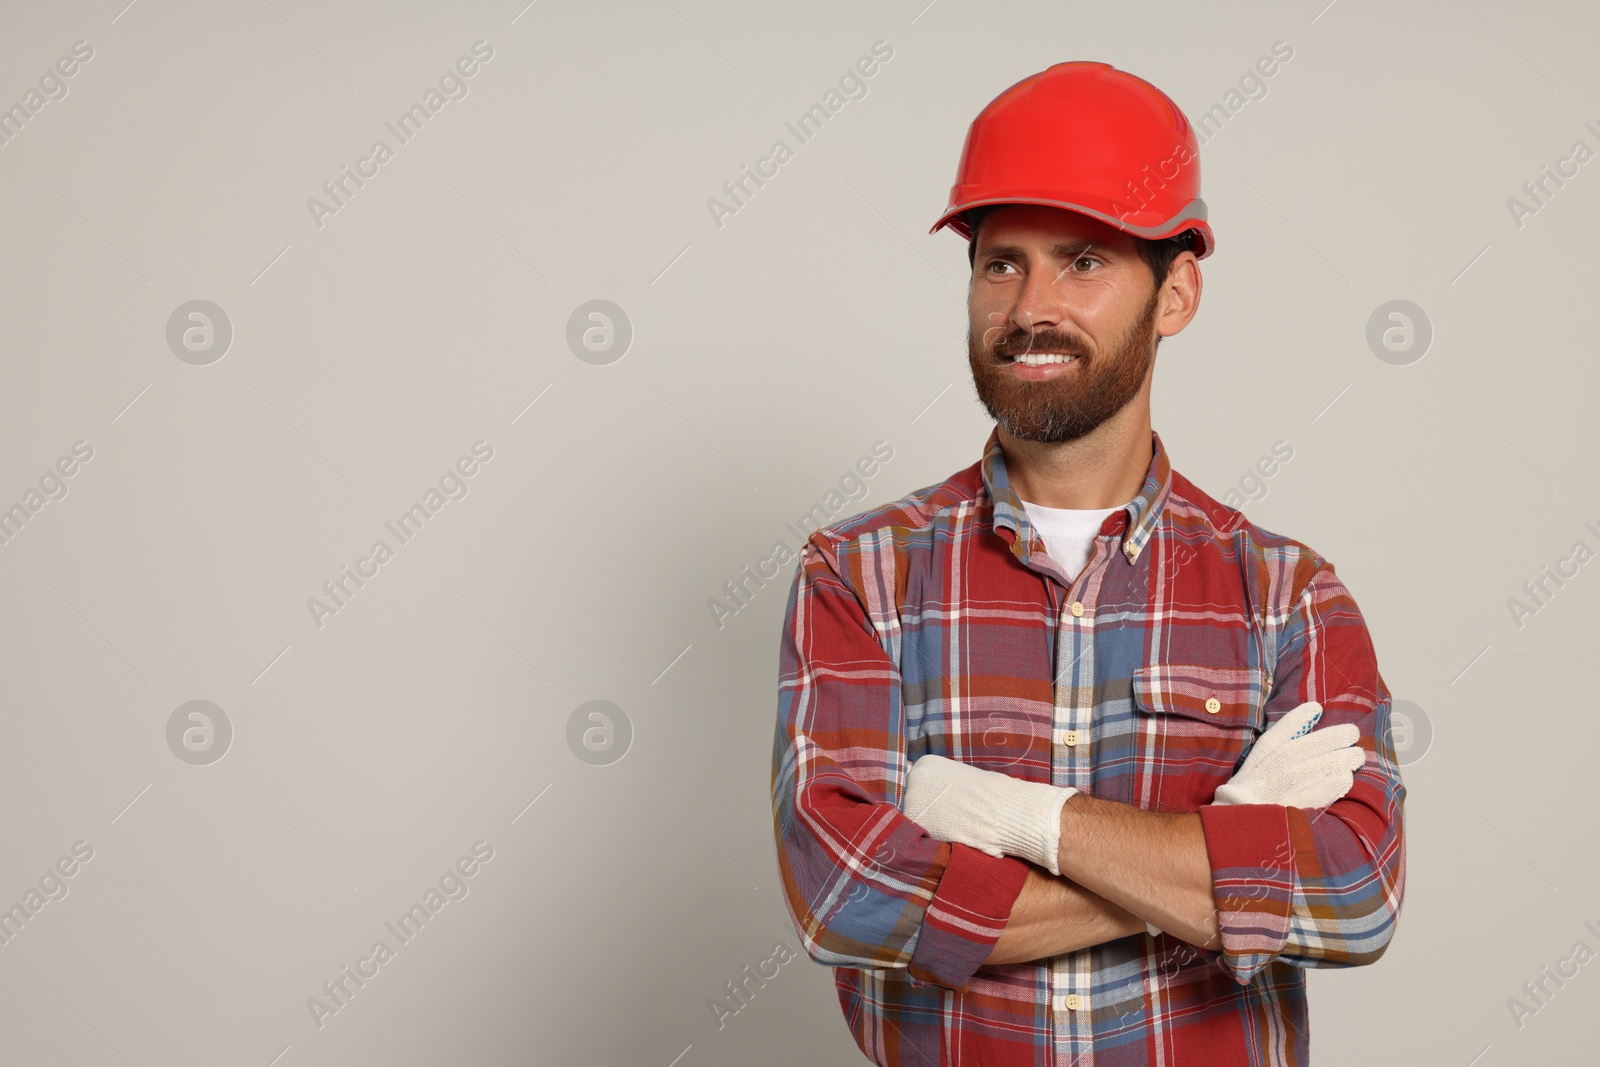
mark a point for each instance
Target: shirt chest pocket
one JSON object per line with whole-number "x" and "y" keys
{"x": 1194, "y": 724}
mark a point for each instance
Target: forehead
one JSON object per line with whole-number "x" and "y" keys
{"x": 1038, "y": 225}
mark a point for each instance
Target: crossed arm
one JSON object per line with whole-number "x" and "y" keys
{"x": 1121, "y": 867}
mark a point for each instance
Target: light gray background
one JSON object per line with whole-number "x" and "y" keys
{"x": 768, "y": 355}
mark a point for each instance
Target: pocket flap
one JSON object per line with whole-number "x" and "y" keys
{"x": 1222, "y": 696}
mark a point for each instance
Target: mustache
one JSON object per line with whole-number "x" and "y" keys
{"x": 1020, "y": 342}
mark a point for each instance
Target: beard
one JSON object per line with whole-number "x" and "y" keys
{"x": 1072, "y": 404}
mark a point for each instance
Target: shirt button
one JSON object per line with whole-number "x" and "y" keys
{"x": 1077, "y": 609}
{"x": 1072, "y": 1002}
{"x": 1070, "y": 738}
{"x": 1213, "y": 705}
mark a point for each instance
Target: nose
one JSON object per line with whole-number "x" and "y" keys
{"x": 1038, "y": 301}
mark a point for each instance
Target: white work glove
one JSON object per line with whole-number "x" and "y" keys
{"x": 1002, "y": 815}
{"x": 1293, "y": 766}
{"x": 988, "y": 810}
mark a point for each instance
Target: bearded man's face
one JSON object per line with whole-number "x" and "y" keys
{"x": 1062, "y": 322}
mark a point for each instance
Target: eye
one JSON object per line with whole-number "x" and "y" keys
{"x": 1083, "y": 258}
{"x": 993, "y": 263}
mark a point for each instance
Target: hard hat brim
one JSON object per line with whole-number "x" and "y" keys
{"x": 1192, "y": 218}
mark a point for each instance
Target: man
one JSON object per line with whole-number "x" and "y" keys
{"x": 1043, "y": 790}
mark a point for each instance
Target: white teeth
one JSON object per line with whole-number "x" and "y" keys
{"x": 1038, "y": 359}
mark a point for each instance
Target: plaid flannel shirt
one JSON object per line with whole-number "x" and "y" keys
{"x": 938, "y": 624}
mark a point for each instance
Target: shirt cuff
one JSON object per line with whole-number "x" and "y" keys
{"x": 964, "y": 919}
{"x": 1253, "y": 880}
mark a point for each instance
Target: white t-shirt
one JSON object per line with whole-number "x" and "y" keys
{"x": 1068, "y": 533}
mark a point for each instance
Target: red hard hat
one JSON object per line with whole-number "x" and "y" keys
{"x": 1089, "y": 138}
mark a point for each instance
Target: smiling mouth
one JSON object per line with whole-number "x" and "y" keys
{"x": 1038, "y": 359}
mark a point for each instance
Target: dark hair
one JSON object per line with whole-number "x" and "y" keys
{"x": 1157, "y": 255}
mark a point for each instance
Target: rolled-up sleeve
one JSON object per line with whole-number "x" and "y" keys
{"x": 864, "y": 885}
{"x": 1318, "y": 887}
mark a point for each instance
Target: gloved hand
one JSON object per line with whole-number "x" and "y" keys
{"x": 1295, "y": 767}
{"x": 988, "y": 810}
{"x": 1002, "y": 815}
{"x": 1291, "y": 766}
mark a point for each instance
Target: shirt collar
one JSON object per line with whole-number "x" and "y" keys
{"x": 1136, "y": 521}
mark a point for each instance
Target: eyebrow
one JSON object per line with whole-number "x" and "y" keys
{"x": 1061, "y": 250}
